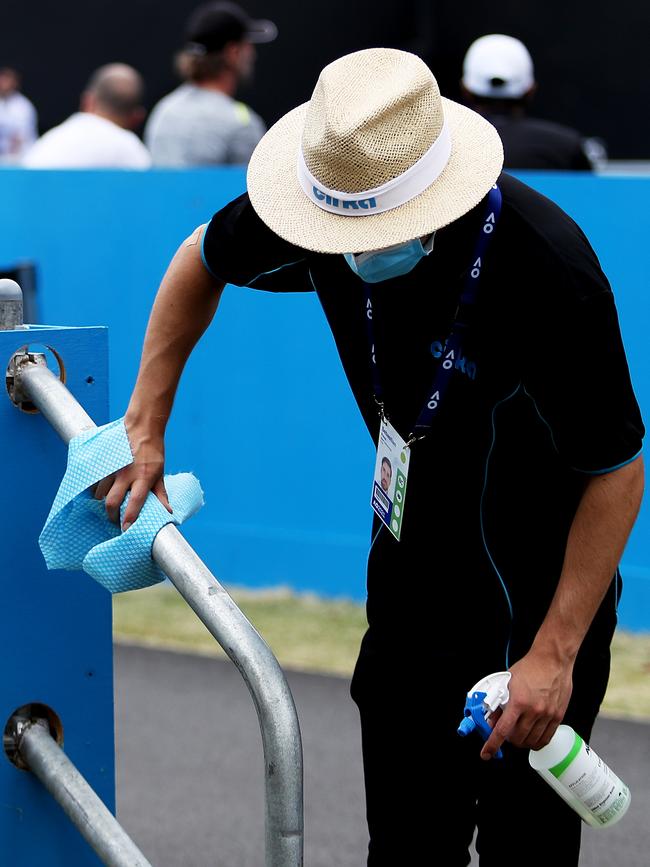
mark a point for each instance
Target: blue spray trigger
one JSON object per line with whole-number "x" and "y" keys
{"x": 475, "y": 718}
{"x": 482, "y": 700}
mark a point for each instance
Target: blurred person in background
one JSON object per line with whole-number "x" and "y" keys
{"x": 101, "y": 134}
{"x": 18, "y": 121}
{"x": 499, "y": 83}
{"x": 200, "y": 123}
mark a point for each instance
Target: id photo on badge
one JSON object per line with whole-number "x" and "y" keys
{"x": 384, "y": 486}
{"x": 389, "y": 482}
{"x": 386, "y": 476}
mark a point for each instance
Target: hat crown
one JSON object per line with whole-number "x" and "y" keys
{"x": 372, "y": 116}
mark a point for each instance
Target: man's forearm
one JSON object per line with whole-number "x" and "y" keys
{"x": 541, "y": 683}
{"x": 600, "y": 529}
{"x": 183, "y": 309}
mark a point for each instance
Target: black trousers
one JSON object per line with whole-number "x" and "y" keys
{"x": 427, "y": 790}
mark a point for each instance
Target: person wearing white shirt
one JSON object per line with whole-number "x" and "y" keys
{"x": 101, "y": 134}
{"x": 17, "y": 118}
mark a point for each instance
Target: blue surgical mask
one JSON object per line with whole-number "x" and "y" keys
{"x": 377, "y": 265}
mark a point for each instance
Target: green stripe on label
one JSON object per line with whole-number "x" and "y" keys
{"x": 560, "y": 768}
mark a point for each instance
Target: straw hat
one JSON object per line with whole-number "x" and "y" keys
{"x": 375, "y": 158}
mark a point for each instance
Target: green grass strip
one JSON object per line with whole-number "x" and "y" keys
{"x": 312, "y": 634}
{"x": 304, "y": 632}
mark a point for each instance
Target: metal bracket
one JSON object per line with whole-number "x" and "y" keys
{"x": 16, "y": 727}
{"x": 33, "y": 745}
{"x": 17, "y": 361}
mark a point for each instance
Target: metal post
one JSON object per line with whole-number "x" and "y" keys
{"x": 266, "y": 682}
{"x": 260, "y": 669}
{"x": 11, "y": 305}
{"x": 47, "y": 761}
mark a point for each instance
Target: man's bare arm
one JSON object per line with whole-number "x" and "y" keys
{"x": 185, "y": 304}
{"x": 541, "y": 682}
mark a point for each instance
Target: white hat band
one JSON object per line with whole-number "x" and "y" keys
{"x": 392, "y": 194}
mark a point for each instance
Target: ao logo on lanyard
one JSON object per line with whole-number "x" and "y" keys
{"x": 393, "y": 452}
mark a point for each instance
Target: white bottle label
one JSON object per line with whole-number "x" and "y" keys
{"x": 586, "y": 776}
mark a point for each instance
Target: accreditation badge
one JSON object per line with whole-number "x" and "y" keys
{"x": 391, "y": 473}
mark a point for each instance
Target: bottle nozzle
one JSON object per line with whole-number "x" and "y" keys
{"x": 467, "y": 726}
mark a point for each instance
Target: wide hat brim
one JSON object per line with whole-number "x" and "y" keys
{"x": 276, "y": 195}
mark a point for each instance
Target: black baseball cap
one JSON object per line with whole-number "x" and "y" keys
{"x": 213, "y": 25}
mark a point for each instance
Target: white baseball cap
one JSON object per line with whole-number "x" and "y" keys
{"x": 498, "y": 67}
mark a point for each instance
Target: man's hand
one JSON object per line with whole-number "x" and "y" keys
{"x": 540, "y": 690}
{"x": 143, "y": 475}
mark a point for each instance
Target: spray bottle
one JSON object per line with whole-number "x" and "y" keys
{"x": 567, "y": 763}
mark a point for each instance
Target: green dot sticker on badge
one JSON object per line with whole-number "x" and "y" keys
{"x": 389, "y": 483}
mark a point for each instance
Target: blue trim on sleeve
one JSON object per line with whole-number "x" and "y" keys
{"x": 274, "y": 270}
{"x": 250, "y": 282}
{"x": 609, "y": 469}
{"x": 577, "y": 469}
{"x": 204, "y": 260}
{"x": 485, "y": 545}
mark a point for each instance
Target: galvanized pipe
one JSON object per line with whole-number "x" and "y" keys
{"x": 237, "y": 636}
{"x": 266, "y": 682}
{"x": 52, "y": 398}
{"x": 47, "y": 761}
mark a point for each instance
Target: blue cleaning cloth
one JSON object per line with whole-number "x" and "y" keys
{"x": 77, "y": 533}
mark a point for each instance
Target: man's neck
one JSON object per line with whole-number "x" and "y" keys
{"x": 225, "y": 82}
{"x": 106, "y": 115}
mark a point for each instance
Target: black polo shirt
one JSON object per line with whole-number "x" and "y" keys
{"x": 530, "y": 143}
{"x": 542, "y": 400}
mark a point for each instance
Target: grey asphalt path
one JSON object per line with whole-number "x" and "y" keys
{"x": 189, "y": 768}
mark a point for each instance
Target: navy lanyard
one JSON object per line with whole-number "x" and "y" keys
{"x": 451, "y": 349}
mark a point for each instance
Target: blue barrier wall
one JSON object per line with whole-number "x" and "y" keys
{"x": 55, "y": 627}
{"x": 263, "y": 403}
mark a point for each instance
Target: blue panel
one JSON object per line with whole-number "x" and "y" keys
{"x": 267, "y": 521}
{"x": 102, "y": 241}
{"x": 55, "y": 627}
{"x": 614, "y": 214}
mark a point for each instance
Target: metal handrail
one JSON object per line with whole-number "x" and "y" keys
{"x": 99, "y": 827}
{"x": 258, "y": 666}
